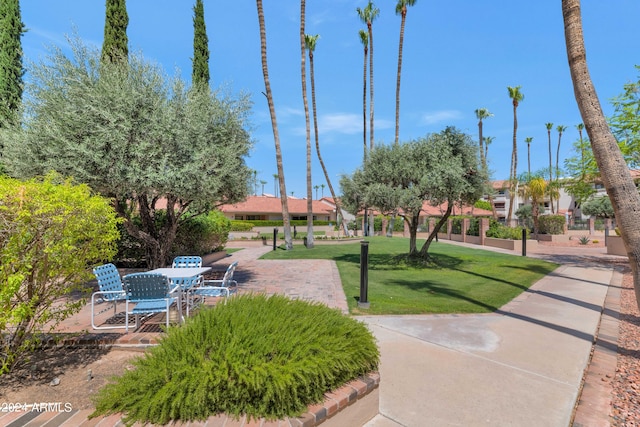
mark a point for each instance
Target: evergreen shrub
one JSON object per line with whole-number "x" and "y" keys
{"x": 501, "y": 231}
{"x": 551, "y": 224}
{"x": 241, "y": 225}
{"x": 261, "y": 356}
{"x": 202, "y": 234}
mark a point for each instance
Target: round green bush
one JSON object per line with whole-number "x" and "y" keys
{"x": 201, "y": 235}
{"x": 266, "y": 357}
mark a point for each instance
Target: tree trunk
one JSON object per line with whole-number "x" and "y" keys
{"x": 286, "y": 223}
{"x": 303, "y": 74}
{"x": 369, "y": 27}
{"x": 514, "y": 165}
{"x": 364, "y": 105}
{"x": 550, "y": 170}
{"x": 402, "y": 22}
{"x": 613, "y": 168}
{"x": 424, "y": 251}
{"x": 315, "y": 130}
{"x": 413, "y": 222}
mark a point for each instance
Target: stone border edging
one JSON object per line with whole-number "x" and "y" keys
{"x": 593, "y": 406}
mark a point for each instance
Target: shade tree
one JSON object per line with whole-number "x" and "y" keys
{"x": 439, "y": 168}
{"x": 162, "y": 151}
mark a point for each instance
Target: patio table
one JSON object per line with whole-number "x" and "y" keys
{"x": 180, "y": 273}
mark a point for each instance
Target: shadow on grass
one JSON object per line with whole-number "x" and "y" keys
{"x": 402, "y": 261}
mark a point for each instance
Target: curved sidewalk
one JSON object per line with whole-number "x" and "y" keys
{"x": 521, "y": 366}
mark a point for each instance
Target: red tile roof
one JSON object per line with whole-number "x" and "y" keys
{"x": 267, "y": 204}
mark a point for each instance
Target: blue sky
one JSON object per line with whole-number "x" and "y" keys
{"x": 458, "y": 56}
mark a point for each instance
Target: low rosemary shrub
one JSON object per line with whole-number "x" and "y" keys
{"x": 261, "y": 356}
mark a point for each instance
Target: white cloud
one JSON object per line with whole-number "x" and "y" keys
{"x": 434, "y": 117}
{"x": 347, "y": 123}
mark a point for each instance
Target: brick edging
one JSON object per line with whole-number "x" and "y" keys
{"x": 337, "y": 400}
{"x": 593, "y": 404}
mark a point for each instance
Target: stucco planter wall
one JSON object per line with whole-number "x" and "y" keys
{"x": 615, "y": 246}
{"x": 476, "y": 240}
{"x": 457, "y": 237}
{"x": 508, "y": 244}
{"x": 554, "y": 237}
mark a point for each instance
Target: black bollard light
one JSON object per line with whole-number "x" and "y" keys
{"x": 364, "y": 275}
{"x": 275, "y": 237}
{"x": 524, "y": 242}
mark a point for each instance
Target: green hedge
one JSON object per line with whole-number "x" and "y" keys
{"x": 551, "y": 224}
{"x": 237, "y": 225}
{"x": 501, "y": 231}
{"x": 202, "y": 235}
{"x": 197, "y": 236}
{"x": 261, "y": 356}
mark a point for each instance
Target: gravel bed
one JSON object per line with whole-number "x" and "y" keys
{"x": 625, "y": 409}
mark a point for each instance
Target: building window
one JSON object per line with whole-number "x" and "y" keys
{"x": 499, "y": 205}
{"x": 299, "y": 218}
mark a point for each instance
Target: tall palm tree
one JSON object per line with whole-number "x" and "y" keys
{"x": 364, "y": 39}
{"x": 401, "y": 9}
{"x": 560, "y": 130}
{"x": 536, "y": 190}
{"x": 549, "y": 126}
{"x": 613, "y": 169}
{"x": 580, "y": 128}
{"x": 528, "y": 140}
{"x": 286, "y": 223}
{"x": 310, "y": 43}
{"x": 303, "y": 74}
{"x": 481, "y": 114}
{"x": 275, "y": 184}
{"x": 516, "y": 97}
{"x": 322, "y": 186}
{"x": 263, "y": 183}
{"x": 487, "y": 142}
{"x": 368, "y": 15}
{"x": 315, "y": 187}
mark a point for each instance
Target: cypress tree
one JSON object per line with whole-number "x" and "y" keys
{"x": 115, "y": 44}
{"x": 200, "y": 73}
{"x": 11, "y": 71}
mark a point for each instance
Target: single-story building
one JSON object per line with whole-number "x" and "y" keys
{"x": 269, "y": 208}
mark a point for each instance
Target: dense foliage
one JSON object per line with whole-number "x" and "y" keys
{"x": 625, "y": 122}
{"x": 441, "y": 168}
{"x": 201, "y": 235}
{"x": 198, "y": 235}
{"x": 501, "y": 231}
{"x": 599, "y": 206}
{"x": 51, "y": 232}
{"x": 552, "y": 224}
{"x": 261, "y": 356}
{"x": 148, "y": 142}
{"x": 247, "y": 225}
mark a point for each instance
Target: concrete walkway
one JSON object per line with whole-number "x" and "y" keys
{"x": 521, "y": 366}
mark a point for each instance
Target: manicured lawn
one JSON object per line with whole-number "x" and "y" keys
{"x": 459, "y": 280}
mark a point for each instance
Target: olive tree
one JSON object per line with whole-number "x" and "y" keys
{"x": 598, "y": 206}
{"x": 161, "y": 150}
{"x": 51, "y": 231}
{"x": 440, "y": 168}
